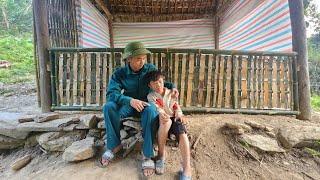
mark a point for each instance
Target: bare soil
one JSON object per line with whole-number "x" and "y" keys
{"x": 216, "y": 156}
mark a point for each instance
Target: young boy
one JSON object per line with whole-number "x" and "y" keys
{"x": 171, "y": 121}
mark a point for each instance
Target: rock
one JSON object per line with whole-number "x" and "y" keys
{"x": 136, "y": 119}
{"x": 101, "y": 125}
{"x": 299, "y": 136}
{"x": 58, "y": 141}
{"x": 262, "y": 143}
{"x": 8, "y": 126}
{"x": 96, "y": 133}
{"x": 31, "y": 141}
{"x": 79, "y": 150}
{"x": 89, "y": 120}
{"x": 123, "y": 134}
{"x": 21, "y": 162}
{"x": 27, "y": 118}
{"x": 100, "y": 117}
{"x": 271, "y": 134}
{"x": 269, "y": 129}
{"x": 238, "y": 128}
{"x": 4, "y": 64}
{"x": 54, "y": 125}
{"x": 255, "y": 125}
{"x": 10, "y": 143}
{"x": 46, "y": 117}
{"x": 133, "y": 124}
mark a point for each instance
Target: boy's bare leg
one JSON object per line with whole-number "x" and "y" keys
{"x": 184, "y": 146}
{"x": 162, "y": 137}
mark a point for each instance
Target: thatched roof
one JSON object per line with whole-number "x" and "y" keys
{"x": 160, "y": 10}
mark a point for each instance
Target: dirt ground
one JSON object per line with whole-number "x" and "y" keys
{"x": 216, "y": 156}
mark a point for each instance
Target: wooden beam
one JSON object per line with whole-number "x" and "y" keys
{"x": 42, "y": 33}
{"x": 105, "y": 9}
{"x": 299, "y": 43}
{"x": 110, "y": 25}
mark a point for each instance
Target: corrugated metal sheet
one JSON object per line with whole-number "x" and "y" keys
{"x": 94, "y": 26}
{"x": 266, "y": 28}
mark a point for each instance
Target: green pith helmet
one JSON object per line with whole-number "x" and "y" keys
{"x": 134, "y": 49}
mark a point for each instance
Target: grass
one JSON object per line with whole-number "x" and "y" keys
{"x": 315, "y": 102}
{"x": 19, "y": 52}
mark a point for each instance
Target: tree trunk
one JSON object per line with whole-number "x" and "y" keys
{"x": 5, "y": 17}
{"x": 299, "y": 43}
{"x": 42, "y": 36}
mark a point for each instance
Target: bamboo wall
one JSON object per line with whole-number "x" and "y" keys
{"x": 62, "y": 22}
{"x": 212, "y": 79}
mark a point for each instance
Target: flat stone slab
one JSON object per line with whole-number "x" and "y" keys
{"x": 21, "y": 162}
{"x": 46, "y": 117}
{"x": 89, "y": 120}
{"x": 101, "y": 125}
{"x": 58, "y": 141}
{"x": 9, "y": 123}
{"x": 299, "y": 136}
{"x": 54, "y": 125}
{"x": 133, "y": 124}
{"x": 10, "y": 143}
{"x": 79, "y": 150}
{"x": 262, "y": 143}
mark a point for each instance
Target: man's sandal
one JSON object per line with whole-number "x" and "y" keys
{"x": 160, "y": 163}
{"x": 183, "y": 177}
{"x": 107, "y": 155}
{"x": 147, "y": 164}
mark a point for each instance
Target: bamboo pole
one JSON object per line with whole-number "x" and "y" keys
{"x": 299, "y": 43}
{"x": 42, "y": 33}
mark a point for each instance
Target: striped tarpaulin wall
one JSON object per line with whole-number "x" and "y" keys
{"x": 267, "y": 27}
{"x": 196, "y": 33}
{"x": 94, "y": 26}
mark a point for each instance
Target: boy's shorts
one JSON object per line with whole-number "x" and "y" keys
{"x": 177, "y": 128}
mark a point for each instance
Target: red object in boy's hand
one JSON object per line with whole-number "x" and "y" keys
{"x": 159, "y": 102}
{"x": 175, "y": 106}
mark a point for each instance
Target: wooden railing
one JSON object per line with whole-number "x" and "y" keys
{"x": 208, "y": 80}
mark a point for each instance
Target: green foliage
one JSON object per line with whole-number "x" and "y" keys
{"x": 315, "y": 102}
{"x": 15, "y": 16}
{"x": 19, "y": 52}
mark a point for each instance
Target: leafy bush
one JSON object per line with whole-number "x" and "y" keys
{"x": 315, "y": 103}
{"x": 19, "y": 52}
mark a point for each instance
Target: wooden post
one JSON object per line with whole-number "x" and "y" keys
{"x": 42, "y": 33}
{"x": 299, "y": 42}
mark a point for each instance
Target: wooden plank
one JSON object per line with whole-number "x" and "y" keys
{"x": 201, "y": 80}
{"x": 60, "y": 79}
{"x": 183, "y": 80}
{"x": 265, "y": 82}
{"x": 224, "y": 82}
{"x": 249, "y": 80}
{"x": 105, "y": 75}
{"x": 88, "y": 78}
{"x": 179, "y": 74}
{"x": 244, "y": 80}
{"x": 82, "y": 78}
{"x": 260, "y": 82}
{"x": 98, "y": 78}
{"x": 190, "y": 79}
{"x": 228, "y": 83}
{"x": 209, "y": 75}
{"x": 254, "y": 83}
{"x": 270, "y": 80}
{"x": 68, "y": 72}
{"x": 282, "y": 84}
{"x": 278, "y": 80}
{"x": 75, "y": 79}
{"x": 176, "y": 66}
{"x": 239, "y": 81}
{"x": 219, "y": 81}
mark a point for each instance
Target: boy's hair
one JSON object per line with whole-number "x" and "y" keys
{"x": 153, "y": 76}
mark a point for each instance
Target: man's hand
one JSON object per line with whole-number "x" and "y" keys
{"x": 175, "y": 93}
{"x": 183, "y": 119}
{"x": 138, "y": 105}
{"x": 163, "y": 117}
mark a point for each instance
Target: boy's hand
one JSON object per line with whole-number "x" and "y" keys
{"x": 175, "y": 93}
{"x": 138, "y": 105}
{"x": 163, "y": 117}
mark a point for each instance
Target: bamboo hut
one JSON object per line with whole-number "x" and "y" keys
{"x": 225, "y": 56}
